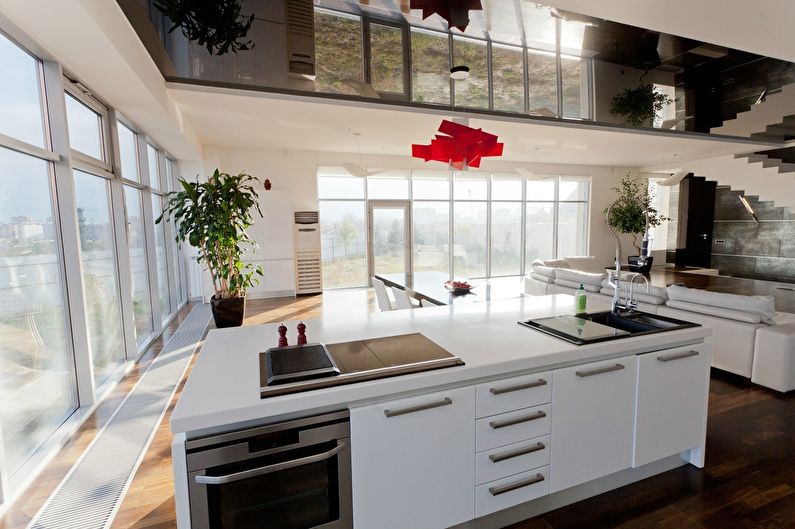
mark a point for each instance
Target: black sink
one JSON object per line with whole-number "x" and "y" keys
{"x": 602, "y": 326}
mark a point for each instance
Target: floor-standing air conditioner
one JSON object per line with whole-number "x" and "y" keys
{"x": 308, "y": 271}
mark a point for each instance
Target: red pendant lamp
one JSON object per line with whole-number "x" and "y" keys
{"x": 459, "y": 146}
{"x": 455, "y": 12}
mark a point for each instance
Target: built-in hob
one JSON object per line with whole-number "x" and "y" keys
{"x": 361, "y": 361}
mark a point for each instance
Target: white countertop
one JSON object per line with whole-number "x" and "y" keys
{"x": 223, "y": 389}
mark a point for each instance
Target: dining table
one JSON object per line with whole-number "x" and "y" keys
{"x": 430, "y": 286}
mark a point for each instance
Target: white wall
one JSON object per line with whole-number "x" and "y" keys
{"x": 295, "y": 172}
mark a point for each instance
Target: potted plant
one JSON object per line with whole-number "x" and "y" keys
{"x": 213, "y": 217}
{"x": 639, "y": 105}
{"x": 633, "y": 214}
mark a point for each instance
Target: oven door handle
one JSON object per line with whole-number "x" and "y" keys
{"x": 254, "y": 472}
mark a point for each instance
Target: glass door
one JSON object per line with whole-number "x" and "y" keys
{"x": 390, "y": 237}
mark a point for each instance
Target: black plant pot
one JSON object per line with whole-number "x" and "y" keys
{"x": 228, "y": 312}
{"x": 635, "y": 267}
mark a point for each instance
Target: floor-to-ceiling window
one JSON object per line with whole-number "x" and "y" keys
{"x": 38, "y": 387}
{"x": 74, "y": 278}
{"x": 156, "y": 185}
{"x": 471, "y": 224}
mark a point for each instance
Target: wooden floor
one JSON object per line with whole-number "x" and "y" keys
{"x": 748, "y": 482}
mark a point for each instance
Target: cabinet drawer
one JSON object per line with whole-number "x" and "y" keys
{"x": 514, "y": 393}
{"x": 503, "y": 493}
{"x": 511, "y": 459}
{"x": 511, "y": 427}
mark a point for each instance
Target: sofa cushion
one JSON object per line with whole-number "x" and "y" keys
{"x": 577, "y": 276}
{"x": 638, "y": 296}
{"x": 639, "y": 288}
{"x": 542, "y": 277}
{"x": 576, "y": 285}
{"x": 717, "y": 312}
{"x": 764, "y": 306}
{"x": 585, "y": 264}
{"x": 544, "y": 271}
{"x": 556, "y": 263}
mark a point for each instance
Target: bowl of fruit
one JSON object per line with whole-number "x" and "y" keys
{"x": 458, "y": 287}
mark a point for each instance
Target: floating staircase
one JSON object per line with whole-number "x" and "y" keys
{"x": 773, "y": 118}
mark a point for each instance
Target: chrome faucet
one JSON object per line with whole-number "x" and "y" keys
{"x": 615, "y": 282}
{"x": 631, "y": 304}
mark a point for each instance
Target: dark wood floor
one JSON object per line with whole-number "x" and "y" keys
{"x": 748, "y": 481}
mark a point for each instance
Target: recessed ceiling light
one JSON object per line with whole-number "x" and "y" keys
{"x": 459, "y": 73}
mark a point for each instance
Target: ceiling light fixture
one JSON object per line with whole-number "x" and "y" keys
{"x": 459, "y": 73}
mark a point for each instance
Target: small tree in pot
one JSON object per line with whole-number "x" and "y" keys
{"x": 632, "y": 212}
{"x": 213, "y": 217}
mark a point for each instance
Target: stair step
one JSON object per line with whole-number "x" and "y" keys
{"x": 785, "y": 167}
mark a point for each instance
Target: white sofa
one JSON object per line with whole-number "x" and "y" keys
{"x": 751, "y": 339}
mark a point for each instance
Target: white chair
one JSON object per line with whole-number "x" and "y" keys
{"x": 402, "y": 299}
{"x": 381, "y": 296}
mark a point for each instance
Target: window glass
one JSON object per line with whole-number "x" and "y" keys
{"x": 540, "y": 189}
{"x": 340, "y": 187}
{"x": 37, "y": 383}
{"x": 506, "y": 238}
{"x": 542, "y": 83}
{"x": 100, "y": 273}
{"x": 154, "y": 170}
{"x": 21, "y": 114}
{"x": 539, "y": 26}
{"x": 128, "y": 153}
{"x": 387, "y": 188}
{"x": 573, "y": 189}
{"x": 431, "y": 188}
{"x": 85, "y": 128}
{"x": 502, "y": 189}
{"x": 572, "y": 228}
{"x": 574, "y": 74}
{"x": 160, "y": 257}
{"x": 343, "y": 243}
{"x": 386, "y": 59}
{"x": 430, "y": 67}
{"x": 338, "y": 53}
{"x": 431, "y": 236}
{"x": 470, "y": 188}
{"x": 507, "y": 64}
{"x": 472, "y": 92}
{"x": 469, "y": 239}
{"x": 540, "y": 230}
{"x": 142, "y": 305}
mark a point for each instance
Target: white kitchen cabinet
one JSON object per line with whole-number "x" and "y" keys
{"x": 671, "y": 409}
{"x": 593, "y": 411}
{"x": 412, "y": 461}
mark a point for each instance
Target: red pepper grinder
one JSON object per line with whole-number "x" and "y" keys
{"x": 301, "y": 334}
{"x": 282, "y": 335}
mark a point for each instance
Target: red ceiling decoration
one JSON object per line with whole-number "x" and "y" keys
{"x": 455, "y": 12}
{"x": 459, "y": 146}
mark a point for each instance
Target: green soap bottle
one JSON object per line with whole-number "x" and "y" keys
{"x": 580, "y": 300}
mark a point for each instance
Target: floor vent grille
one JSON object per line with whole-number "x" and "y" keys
{"x": 90, "y": 494}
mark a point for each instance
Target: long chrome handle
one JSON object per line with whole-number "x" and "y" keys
{"x": 496, "y": 491}
{"x": 496, "y": 458}
{"x": 517, "y": 420}
{"x": 677, "y": 356}
{"x": 261, "y": 471}
{"x": 518, "y": 387}
{"x": 599, "y": 371}
{"x": 421, "y": 407}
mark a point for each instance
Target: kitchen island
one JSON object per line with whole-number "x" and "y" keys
{"x": 529, "y": 423}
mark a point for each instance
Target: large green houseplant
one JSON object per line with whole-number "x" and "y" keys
{"x": 632, "y": 212}
{"x": 213, "y": 217}
{"x": 639, "y": 105}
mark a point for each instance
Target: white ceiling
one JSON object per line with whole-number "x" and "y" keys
{"x": 261, "y": 121}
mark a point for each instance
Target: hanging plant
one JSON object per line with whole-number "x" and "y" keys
{"x": 639, "y": 105}
{"x": 216, "y": 24}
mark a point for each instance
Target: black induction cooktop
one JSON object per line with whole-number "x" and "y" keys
{"x": 299, "y": 362}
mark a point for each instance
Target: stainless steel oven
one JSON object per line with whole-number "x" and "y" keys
{"x": 292, "y": 475}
